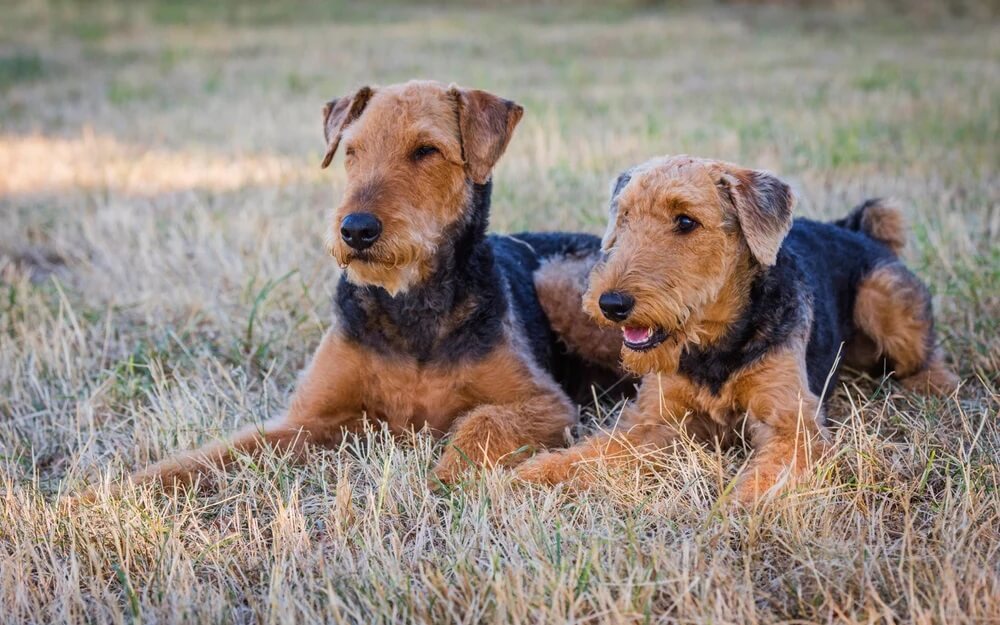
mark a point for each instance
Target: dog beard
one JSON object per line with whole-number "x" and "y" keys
{"x": 393, "y": 264}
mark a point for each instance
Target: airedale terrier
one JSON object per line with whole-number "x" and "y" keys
{"x": 736, "y": 315}
{"x": 437, "y": 325}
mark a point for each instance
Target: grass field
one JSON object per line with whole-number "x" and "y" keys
{"x": 163, "y": 278}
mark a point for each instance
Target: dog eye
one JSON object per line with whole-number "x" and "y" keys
{"x": 349, "y": 151}
{"x": 685, "y": 224}
{"x": 423, "y": 152}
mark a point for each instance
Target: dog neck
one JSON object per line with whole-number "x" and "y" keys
{"x": 453, "y": 314}
{"x": 772, "y": 307}
{"x": 729, "y": 304}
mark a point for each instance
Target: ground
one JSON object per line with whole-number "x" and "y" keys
{"x": 163, "y": 278}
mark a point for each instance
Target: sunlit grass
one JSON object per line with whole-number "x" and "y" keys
{"x": 163, "y": 278}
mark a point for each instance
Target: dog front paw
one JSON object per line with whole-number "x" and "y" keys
{"x": 449, "y": 470}
{"x": 763, "y": 481}
{"x": 551, "y": 467}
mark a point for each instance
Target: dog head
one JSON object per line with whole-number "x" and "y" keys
{"x": 685, "y": 238}
{"x": 412, "y": 153}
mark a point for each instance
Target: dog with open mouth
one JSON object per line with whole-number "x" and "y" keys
{"x": 735, "y": 315}
{"x": 437, "y": 325}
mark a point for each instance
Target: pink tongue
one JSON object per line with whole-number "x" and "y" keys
{"x": 637, "y": 335}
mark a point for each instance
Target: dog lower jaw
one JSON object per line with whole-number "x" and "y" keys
{"x": 395, "y": 280}
{"x": 641, "y": 339}
{"x": 664, "y": 358}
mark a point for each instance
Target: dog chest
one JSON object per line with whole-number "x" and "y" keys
{"x": 408, "y": 395}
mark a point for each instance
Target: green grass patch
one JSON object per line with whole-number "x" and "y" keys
{"x": 20, "y": 68}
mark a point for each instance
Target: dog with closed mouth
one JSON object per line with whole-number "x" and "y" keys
{"x": 735, "y": 315}
{"x": 437, "y": 325}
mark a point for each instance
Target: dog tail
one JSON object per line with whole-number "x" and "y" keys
{"x": 880, "y": 219}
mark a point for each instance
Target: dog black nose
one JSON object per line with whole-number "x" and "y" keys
{"x": 616, "y": 306}
{"x": 360, "y": 230}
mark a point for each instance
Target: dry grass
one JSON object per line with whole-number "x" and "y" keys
{"x": 162, "y": 278}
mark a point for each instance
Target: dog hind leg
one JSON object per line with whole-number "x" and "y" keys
{"x": 893, "y": 310}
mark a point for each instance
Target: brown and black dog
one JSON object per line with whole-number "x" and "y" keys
{"x": 437, "y": 325}
{"x": 735, "y": 314}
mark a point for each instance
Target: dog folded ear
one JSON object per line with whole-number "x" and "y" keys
{"x": 486, "y": 123}
{"x": 763, "y": 206}
{"x": 608, "y": 241}
{"x": 338, "y": 114}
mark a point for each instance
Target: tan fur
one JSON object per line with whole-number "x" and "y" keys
{"x": 560, "y": 284}
{"x": 414, "y": 199}
{"x": 886, "y": 222}
{"x": 706, "y": 281}
{"x": 493, "y": 408}
{"x": 498, "y": 409}
{"x": 487, "y": 124}
{"x": 694, "y": 287}
{"x": 664, "y": 410}
{"x": 764, "y": 218}
{"x": 337, "y": 114}
{"x": 933, "y": 379}
{"x": 892, "y": 310}
{"x": 782, "y": 418}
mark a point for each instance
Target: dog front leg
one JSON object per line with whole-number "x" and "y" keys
{"x": 183, "y": 469}
{"x": 784, "y": 419}
{"x": 324, "y": 405}
{"x": 504, "y": 434}
{"x": 653, "y": 422}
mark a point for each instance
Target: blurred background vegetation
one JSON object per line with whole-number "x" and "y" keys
{"x": 163, "y": 277}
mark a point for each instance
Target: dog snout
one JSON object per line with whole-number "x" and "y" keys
{"x": 360, "y": 230}
{"x": 616, "y": 306}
